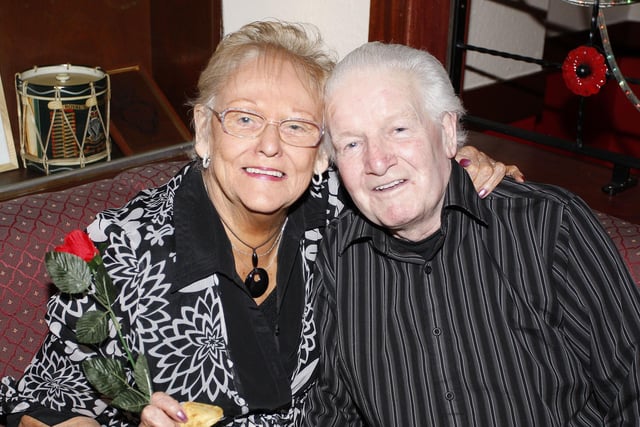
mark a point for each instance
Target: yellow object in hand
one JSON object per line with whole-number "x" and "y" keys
{"x": 201, "y": 414}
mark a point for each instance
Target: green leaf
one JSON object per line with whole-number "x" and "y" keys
{"x": 69, "y": 272}
{"x": 92, "y": 327}
{"x": 130, "y": 400}
{"x": 106, "y": 375}
{"x": 105, "y": 292}
{"x": 142, "y": 376}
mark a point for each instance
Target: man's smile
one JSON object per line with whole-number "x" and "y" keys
{"x": 392, "y": 184}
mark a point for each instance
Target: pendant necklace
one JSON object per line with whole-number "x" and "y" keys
{"x": 257, "y": 281}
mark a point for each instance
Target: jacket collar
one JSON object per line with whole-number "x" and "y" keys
{"x": 200, "y": 250}
{"x": 201, "y": 242}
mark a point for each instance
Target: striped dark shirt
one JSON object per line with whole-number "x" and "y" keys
{"x": 523, "y": 315}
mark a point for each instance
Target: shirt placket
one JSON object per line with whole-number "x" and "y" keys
{"x": 445, "y": 388}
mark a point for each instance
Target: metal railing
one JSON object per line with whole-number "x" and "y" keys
{"x": 622, "y": 164}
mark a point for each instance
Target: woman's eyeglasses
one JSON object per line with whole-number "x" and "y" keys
{"x": 249, "y": 124}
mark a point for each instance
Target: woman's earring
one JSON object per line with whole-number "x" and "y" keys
{"x": 206, "y": 161}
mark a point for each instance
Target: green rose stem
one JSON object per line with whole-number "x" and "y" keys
{"x": 72, "y": 274}
{"x": 97, "y": 265}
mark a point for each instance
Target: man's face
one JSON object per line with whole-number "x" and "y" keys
{"x": 393, "y": 160}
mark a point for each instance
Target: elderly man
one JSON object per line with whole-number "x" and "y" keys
{"x": 436, "y": 307}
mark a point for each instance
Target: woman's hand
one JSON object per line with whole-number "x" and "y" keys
{"x": 27, "y": 421}
{"x": 485, "y": 172}
{"x": 163, "y": 410}
{"x": 79, "y": 422}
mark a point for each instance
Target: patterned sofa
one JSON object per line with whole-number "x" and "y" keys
{"x": 32, "y": 225}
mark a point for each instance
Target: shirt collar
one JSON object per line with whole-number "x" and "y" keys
{"x": 461, "y": 195}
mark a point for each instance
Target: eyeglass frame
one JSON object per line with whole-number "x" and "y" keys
{"x": 221, "y": 115}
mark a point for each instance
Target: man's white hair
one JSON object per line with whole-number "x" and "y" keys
{"x": 431, "y": 79}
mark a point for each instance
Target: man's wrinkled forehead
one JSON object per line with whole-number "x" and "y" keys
{"x": 372, "y": 90}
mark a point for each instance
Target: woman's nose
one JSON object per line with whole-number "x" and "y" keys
{"x": 270, "y": 142}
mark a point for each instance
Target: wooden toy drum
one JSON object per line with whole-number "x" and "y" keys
{"x": 63, "y": 113}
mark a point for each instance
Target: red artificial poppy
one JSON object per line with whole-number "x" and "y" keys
{"x": 584, "y": 71}
{"x": 78, "y": 243}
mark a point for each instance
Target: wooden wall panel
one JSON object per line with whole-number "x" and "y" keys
{"x": 200, "y": 31}
{"x": 104, "y": 33}
{"x": 423, "y": 24}
{"x": 170, "y": 41}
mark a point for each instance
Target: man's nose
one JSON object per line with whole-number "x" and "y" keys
{"x": 379, "y": 157}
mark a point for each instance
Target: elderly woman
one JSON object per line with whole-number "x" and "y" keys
{"x": 213, "y": 269}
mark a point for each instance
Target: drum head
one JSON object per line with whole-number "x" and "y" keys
{"x": 61, "y": 75}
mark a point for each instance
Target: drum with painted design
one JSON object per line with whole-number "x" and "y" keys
{"x": 63, "y": 113}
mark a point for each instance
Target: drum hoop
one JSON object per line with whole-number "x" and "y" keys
{"x": 99, "y": 79}
{"x": 52, "y": 69}
{"x": 67, "y": 161}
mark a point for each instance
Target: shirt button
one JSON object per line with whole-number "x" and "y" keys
{"x": 449, "y": 395}
{"x": 437, "y": 331}
{"x": 427, "y": 269}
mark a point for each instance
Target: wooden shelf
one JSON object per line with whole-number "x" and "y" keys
{"x": 22, "y": 182}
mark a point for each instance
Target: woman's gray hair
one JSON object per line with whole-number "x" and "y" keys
{"x": 431, "y": 78}
{"x": 301, "y": 44}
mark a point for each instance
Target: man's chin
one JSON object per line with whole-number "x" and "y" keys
{"x": 408, "y": 227}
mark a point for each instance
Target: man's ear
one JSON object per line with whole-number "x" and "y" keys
{"x": 321, "y": 163}
{"x": 201, "y": 121}
{"x": 450, "y": 134}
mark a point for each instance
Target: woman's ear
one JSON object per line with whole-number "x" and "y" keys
{"x": 321, "y": 163}
{"x": 450, "y": 134}
{"x": 201, "y": 120}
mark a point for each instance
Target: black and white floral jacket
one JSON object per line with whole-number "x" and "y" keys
{"x": 181, "y": 303}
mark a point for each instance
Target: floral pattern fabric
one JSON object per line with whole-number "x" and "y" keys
{"x": 180, "y": 327}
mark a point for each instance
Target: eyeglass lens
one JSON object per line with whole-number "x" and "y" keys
{"x": 245, "y": 124}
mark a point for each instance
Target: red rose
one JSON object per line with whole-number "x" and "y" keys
{"x": 78, "y": 243}
{"x": 584, "y": 71}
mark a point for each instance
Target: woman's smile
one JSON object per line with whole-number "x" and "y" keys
{"x": 264, "y": 172}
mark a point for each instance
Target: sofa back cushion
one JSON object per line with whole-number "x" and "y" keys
{"x": 32, "y": 225}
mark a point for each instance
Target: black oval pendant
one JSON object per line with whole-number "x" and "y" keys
{"x": 257, "y": 282}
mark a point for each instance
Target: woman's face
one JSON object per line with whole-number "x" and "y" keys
{"x": 261, "y": 175}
